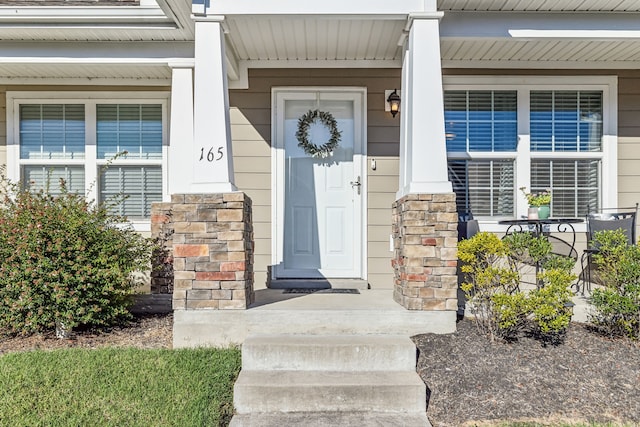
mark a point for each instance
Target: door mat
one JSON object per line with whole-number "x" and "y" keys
{"x": 320, "y": 291}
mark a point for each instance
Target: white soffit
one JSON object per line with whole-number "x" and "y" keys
{"x": 280, "y": 38}
{"x": 161, "y": 20}
{"x": 540, "y": 40}
{"x": 541, "y": 5}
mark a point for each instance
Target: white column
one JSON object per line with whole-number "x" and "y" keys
{"x": 211, "y": 165}
{"x": 423, "y": 145}
{"x": 181, "y": 142}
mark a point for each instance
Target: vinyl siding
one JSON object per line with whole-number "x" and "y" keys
{"x": 251, "y": 134}
{"x": 629, "y": 139}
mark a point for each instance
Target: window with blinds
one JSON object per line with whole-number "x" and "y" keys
{"x": 139, "y": 186}
{"x": 575, "y": 185}
{"x": 54, "y": 145}
{"x": 52, "y": 178}
{"x": 565, "y": 151}
{"x": 483, "y": 187}
{"x": 482, "y": 122}
{"x": 566, "y": 121}
{"x": 52, "y": 131}
{"x": 134, "y": 128}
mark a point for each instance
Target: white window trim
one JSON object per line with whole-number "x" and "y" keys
{"x": 524, "y": 85}
{"x": 91, "y": 162}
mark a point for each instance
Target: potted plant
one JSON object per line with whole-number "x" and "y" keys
{"x": 541, "y": 201}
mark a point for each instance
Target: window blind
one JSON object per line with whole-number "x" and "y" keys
{"x": 566, "y": 120}
{"x": 52, "y": 131}
{"x": 140, "y": 185}
{"x": 481, "y": 120}
{"x": 574, "y": 185}
{"x": 135, "y": 128}
{"x": 48, "y": 178}
{"x": 483, "y": 187}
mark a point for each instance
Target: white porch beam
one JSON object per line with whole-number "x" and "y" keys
{"x": 233, "y": 65}
{"x": 542, "y": 65}
{"x": 500, "y": 25}
{"x": 211, "y": 158}
{"x": 327, "y": 7}
{"x": 87, "y": 52}
{"x": 423, "y": 157}
{"x": 35, "y": 16}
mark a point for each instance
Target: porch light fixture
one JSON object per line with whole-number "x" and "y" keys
{"x": 393, "y": 101}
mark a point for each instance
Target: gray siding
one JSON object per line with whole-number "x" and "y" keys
{"x": 251, "y": 132}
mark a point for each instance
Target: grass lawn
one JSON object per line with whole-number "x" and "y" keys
{"x": 118, "y": 387}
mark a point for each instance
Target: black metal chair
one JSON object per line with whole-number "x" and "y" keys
{"x": 467, "y": 228}
{"x": 605, "y": 220}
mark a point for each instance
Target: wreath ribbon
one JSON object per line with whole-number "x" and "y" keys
{"x": 302, "y": 135}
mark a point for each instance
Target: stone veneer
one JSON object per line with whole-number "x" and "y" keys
{"x": 212, "y": 249}
{"x": 425, "y": 257}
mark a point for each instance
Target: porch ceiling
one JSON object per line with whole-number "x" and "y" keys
{"x": 544, "y": 39}
{"x": 497, "y": 34}
{"x": 312, "y": 38}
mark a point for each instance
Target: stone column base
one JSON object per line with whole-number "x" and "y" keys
{"x": 425, "y": 241}
{"x": 212, "y": 247}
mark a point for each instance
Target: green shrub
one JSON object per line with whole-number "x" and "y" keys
{"x": 527, "y": 248}
{"x": 617, "y": 303}
{"x": 492, "y": 279}
{"x": 63, "y": 259}
{"x": 551, "y": 305}
{"x": 511, "y": 312}
{"x": 489, "y": 282}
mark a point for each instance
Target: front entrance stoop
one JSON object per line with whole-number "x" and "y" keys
{"x": 329, "y": 380}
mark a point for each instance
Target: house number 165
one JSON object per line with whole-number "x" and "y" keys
{"x": 211, "y": 156}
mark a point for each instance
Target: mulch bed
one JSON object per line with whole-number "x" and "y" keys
{"x": 145, "y": 331}
{"x": 588, "y": 378}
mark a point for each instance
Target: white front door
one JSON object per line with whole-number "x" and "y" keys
{"x": 318, "y": 202}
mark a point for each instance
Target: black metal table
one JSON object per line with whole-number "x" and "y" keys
{"x": 542, "y": 227}
{"x": 563, "y": 225}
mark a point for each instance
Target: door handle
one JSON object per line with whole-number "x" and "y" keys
{"x": 357, "y": 184}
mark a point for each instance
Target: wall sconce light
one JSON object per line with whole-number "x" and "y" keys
{"x": 392, "y": 102}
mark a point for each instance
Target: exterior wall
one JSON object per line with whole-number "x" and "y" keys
{"x": 251, "y": 133}
{"x": 629, "y": 139}
{"x": 628, "y": 127}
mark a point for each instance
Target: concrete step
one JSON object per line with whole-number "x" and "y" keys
{"x": 317, "y": 391}
{"x": 329, "y": 353}
{"x": 330, "y": 419}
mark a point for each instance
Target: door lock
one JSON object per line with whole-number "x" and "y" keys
{"x": 357, "y": 184}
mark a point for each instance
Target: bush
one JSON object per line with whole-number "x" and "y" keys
{"x": 492, "y": 286}
{"x": 63, "y": 259}
{"x": 551, "y": 305}
{"x": 489, "y": 282}
{"x": 617, "y": 303}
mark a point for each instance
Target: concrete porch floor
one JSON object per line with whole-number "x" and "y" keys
{"x": 274, "y": 312}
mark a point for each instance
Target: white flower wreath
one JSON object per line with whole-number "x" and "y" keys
{"x": 304, "y": 122}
